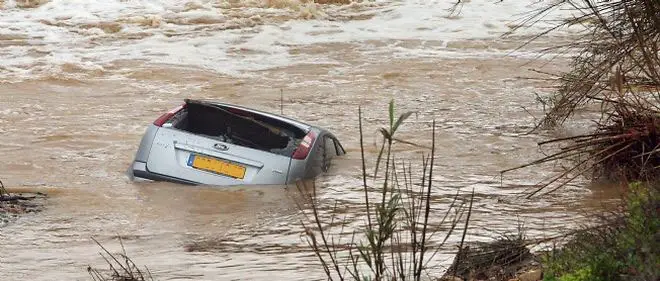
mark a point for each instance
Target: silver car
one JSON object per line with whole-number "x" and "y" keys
{"x": 202, "y": 142}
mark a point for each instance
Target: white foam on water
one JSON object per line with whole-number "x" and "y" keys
{"x": 207, "y": 34}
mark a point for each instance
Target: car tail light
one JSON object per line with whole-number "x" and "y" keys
{"x": 305, "y": 146}
{"x": 163, "y": 118}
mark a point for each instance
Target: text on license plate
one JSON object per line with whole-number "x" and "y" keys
{"x": 216, "y": 166}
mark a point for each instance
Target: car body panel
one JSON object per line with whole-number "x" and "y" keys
{"x": 171, "y": 150}
{"x": 165, "y": 155}
{"x": 145, "y": 144}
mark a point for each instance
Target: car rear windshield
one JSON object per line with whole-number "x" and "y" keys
{"x": 240, "y": 127}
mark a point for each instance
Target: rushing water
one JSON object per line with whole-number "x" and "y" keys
{"x": 79, "y": 81}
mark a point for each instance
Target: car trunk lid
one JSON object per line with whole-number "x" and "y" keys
{"x": 202, "y": 143}
{"x": 190, "y": 157}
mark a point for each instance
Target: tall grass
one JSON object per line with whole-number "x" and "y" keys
{"x": 394, "y": 241}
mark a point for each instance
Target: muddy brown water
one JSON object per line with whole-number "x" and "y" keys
{"x": 73, "y": 133}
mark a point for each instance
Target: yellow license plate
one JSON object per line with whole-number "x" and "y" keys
{"x": 216, "y": 166}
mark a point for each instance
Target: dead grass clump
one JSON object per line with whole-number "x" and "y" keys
{"x": 634, "y": 139}
{"x": 122, "y": 268}
{"x": 501, "y": 259}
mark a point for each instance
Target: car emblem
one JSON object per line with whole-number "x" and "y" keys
{"x": 220, "y": 147}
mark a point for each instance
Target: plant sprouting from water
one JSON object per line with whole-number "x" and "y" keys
{"x": 394, "y": 241}
{"x": 122, "y": 268}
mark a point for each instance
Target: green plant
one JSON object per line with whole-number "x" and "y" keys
{"x": 622, "y": 247}
{"x": 394, "y": 241}
{"x": 582, "y": 274}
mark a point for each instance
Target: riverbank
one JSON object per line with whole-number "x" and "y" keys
{"x": 621, "y": 244}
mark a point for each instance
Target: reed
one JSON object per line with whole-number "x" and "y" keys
{"x": 396, "y": 240}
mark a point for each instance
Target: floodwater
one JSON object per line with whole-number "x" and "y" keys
{"x": 80, "y": 80}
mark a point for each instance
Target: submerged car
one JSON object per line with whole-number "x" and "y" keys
{"x": 203, "y": 142}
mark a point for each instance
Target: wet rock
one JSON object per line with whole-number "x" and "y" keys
{"x": 532, "y": 275}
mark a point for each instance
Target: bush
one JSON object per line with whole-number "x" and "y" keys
{"x": 622, "y": 247}
{"x": 617, "y": 70}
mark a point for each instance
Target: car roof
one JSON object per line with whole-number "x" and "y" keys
{"x": 301, "y": 125}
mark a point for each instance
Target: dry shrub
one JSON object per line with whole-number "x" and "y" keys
{"x": 122, "y": 268}
{"x": 500, "y": 259}
{"x": 617, "y": 69}
{"x": 618, "y": 63}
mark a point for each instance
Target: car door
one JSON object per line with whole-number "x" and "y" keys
{"x": 180, "y": 154}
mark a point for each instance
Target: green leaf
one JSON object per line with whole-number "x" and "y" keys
{"x": 380, "y": 156}
{"x": 402, "y": 118}
{"x": 385, "y": 133}
{"x": 411, "y": 143}
{"x": 365, "y": 254}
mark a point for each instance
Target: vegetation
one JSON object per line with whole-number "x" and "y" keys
{"x": 622, "y": 247}
{"x": 616, "y": 71}
{"x": 501, "y": 259}
{"x": 122, "y": 268}
{"x": 394, "y": 242}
